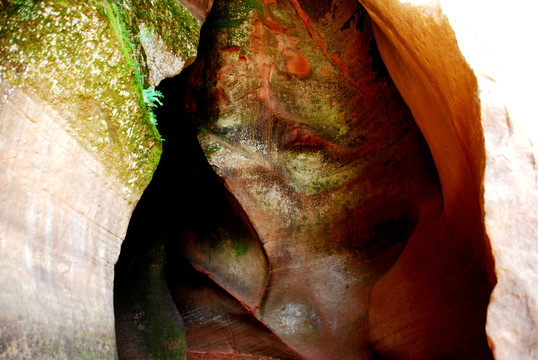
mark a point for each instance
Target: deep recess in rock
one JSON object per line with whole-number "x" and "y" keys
{"x": 325, "y": 216}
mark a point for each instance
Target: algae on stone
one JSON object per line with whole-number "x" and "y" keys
{"x": 82, "y": 64}
{"x": 83, "y": 58}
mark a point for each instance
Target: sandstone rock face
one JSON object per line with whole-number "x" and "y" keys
{"x": 63, "y": 218}
{"x": 504, "y": 159}
{"x": 300, "y": 119}
{"x": 198, "y": 8}
{"x": 440, "y": 94}
{"x": 510, "y": 181}
{"x": 371, "y": 177}
{"x": 78, "y": 146}
{"x": 168, "y": 34}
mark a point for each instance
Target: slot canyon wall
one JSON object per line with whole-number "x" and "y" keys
{"x": 370, "y": 180}
{"x": 78, "y": 147}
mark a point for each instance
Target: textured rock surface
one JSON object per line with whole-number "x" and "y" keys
{"x": 440, "y": 94}
{"x": 198, "y": 8}
{"x": 63, "y": 218}
{"x": 330, "y": 232}
{"x": 168, "y": 34}
{"x": 510, "y": 132}
{"x": 78, "y": 146}
{"x": 497, "y": 136}
{"x": 299, "y": 117}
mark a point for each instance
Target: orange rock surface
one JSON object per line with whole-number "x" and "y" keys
{"x": 369, "y": 252}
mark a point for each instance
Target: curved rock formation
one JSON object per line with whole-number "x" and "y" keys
{"x": 299, "y": 117}
{"x": 340, "y": 180}
{"x": 442, "y": 56}
{"x": 438, "y": 94}
{"x": 78, "y": 146}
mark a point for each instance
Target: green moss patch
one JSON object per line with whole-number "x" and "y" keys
{"x": 168, "y": 19}
{"x": 83, "y": 57}
{"x": 234, "y": 13}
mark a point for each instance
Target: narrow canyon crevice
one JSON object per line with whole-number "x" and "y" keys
{"x": 298, "y": 211}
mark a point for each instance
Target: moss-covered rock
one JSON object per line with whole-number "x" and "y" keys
{"x": 76, "y": 118}
{"x": 85, "y": 59}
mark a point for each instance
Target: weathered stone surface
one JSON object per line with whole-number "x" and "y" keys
{"x": 148, "y": 325}
{"x": 198, "y": 8}
{"x": 436, "y": 46}
{"x": 510, "y": 187}
{"x": 503, "y": 60}
{"x": 187, "y": 208}
{"x": 162, "y": 62}
{"x": 78, "y": 146}
{"x": 330, "y": 234}
{"x": 63, "y": 218}
{"x": 441, "y": 94}
{"x": 298, "y": 115}
{"x": 168, "y": 34}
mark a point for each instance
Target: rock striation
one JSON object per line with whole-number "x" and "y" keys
{"x": 60, "y": 237}
{"x": 78, "y": 146}
{"x": 445, "y": 54}
{"x": 298, "y": 115}
{"x": 341, "y": 179}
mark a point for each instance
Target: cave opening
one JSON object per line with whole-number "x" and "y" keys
{"x": 296, "y": 212}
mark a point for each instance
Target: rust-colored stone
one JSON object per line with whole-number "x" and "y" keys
{"x": 324, "y": 157}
